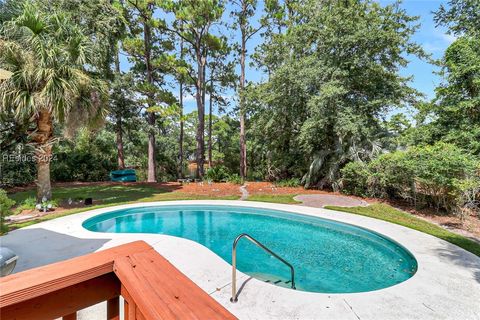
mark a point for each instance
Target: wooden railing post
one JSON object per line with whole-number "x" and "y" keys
{"x": 71, "y": 316}
{"x": 130, "y": 310}
{"x": 129, "y": 307}
{"x": 113, "y": 309}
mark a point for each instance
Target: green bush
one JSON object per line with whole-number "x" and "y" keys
{"x": 217, "y": 174}
{"x": 355, "y": 177}
{"x": 27, "y": 204}
{"x": 78, "y": 165}
{"x": 235, "y": 179}
{"x": 87, "y": 157}
{"x": 467, "y": 196}
{"x": 255, "y": 175}
{"x": 441, "y": 176}
{"x": 6, "y": 205}
{"x": 292, "y": 182}
{"x": 17, "y": 167}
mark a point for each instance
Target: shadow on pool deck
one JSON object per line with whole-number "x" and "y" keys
{"x": 39, "y": 247}
{"x": 462, "y": 258}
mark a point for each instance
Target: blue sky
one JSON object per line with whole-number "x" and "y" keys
{"x": 434, "y": 40}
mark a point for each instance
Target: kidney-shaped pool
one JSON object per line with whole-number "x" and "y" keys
{"x": 328, "y": 256}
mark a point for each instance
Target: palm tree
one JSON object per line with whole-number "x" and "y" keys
{"x": 51, "y": 61}
{"x": 4, "y": 74}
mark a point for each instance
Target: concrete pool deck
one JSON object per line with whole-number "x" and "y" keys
{"x": 446, "y": 285}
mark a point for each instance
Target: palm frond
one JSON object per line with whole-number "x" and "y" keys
{"x": 48, "y": 57}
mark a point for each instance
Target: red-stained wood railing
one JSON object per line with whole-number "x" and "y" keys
{"x": 150, "y": 285}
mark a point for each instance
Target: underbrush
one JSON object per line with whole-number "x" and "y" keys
{"x": 6, "y": 205}
{"x": 288, "y": 183}
{"x": 442, "y": 177}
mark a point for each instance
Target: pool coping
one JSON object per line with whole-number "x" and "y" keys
{"x": 445, "y": 286}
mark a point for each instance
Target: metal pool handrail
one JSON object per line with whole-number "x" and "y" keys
{"x": 234, "y": 262}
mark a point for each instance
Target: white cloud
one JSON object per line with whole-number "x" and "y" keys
{"x": 438, "y": 42}
{"x": 189, "y": 98}
{"x": 448, "y": 38}
{"x": 433, "y": 47}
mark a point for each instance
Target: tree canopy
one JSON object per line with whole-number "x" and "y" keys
{"x": 332, "y": 113}
{"x": 109, "y": 88}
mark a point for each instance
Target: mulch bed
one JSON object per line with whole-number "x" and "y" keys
{"x": 469, "y": 227}
{"x": 212, "y": 189}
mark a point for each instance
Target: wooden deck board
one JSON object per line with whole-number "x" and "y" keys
{"x": 38, "y": 281}
{"x": 152, "y": 287}
{"x": 167, "y": 287}
{"x": 64, "y": 301}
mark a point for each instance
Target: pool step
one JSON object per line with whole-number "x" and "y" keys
{"x": 279, "y": 282}
{"x": 273, "y": 279}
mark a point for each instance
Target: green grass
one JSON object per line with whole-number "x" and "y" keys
{"x": 283, "y": 198}
{"x": 108, "y": 196}
{"x": 116, "y": 195}
{"x": 390, "y": 214}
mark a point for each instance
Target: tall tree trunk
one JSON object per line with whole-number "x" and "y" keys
{"x": 151, "y": 149}
{"x": 200, "y": 85}
{"x": 180, "y": 139}
{"x": 204, "y": 91}
{"x": 120, "y": 154}
{"x": 151, "y": 176}
{"x": 119, "y": 124}
{"x": 210, "y": 109}
{"x": 243, "y": 143}
{"x": 43, "y": 154}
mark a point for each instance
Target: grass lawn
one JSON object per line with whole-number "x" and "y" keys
{"x": 107, "y": 196}
{"x": 280, "y": 198}
{"x": 390, "y": 214}
{"x": 115, "y": 195}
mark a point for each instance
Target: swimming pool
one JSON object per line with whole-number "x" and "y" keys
{"x": 328, "y": 256}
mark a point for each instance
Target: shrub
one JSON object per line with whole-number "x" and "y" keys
{"x": 255, "y": 175}
{"x": 292, "y": 182}
{"x": 17, "y": 167}
{"x": 235, "y": 179}
{"x": 27, "y": 204}
{"x": 6, "y": 205}
{"x": 78, "y": 165}
{"x": 467, "y": 197}
{"x": 46, "y": 205}
{"x": 88, "y": 157}
{"x": 216, "y": 174}
{"x": 355, "y": 177}
{"x": 440, "y": 176}
{"x": 392, "y": 175}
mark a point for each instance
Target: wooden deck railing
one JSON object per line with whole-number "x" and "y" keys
{"x": 151, "y": 287}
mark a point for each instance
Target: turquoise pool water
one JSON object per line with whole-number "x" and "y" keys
{"x": 328, "y": 256}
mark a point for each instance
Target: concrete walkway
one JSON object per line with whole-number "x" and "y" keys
{"x": 446, "y": 285}
{"x": 322, "y": 200}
